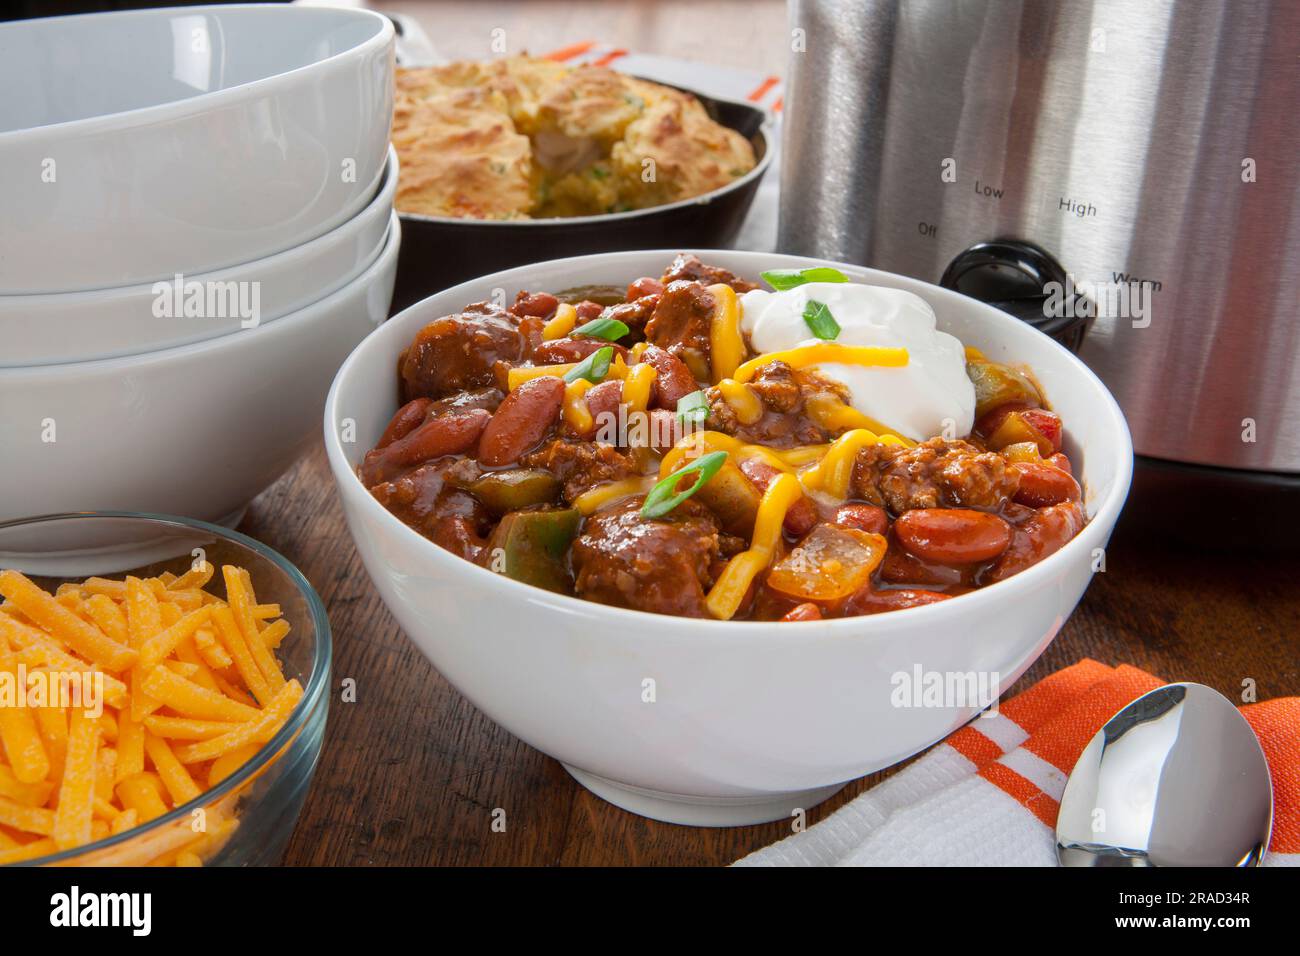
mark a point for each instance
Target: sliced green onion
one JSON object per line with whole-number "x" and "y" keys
{"x": 817, "y": 316}
{"x": 782, "y": 279}
{"x": 693, "y": 408}
{"x": 593, "y": 368}
{"x": 664, "y": 496}
{"x": 611, "y": 330}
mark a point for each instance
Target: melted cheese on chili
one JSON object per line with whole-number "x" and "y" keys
{"x": 729, "y": 590}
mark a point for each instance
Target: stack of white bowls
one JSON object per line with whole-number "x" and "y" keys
{"x": 196, "y": 228}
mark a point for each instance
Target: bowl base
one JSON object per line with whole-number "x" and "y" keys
{"x": 697, "y": 811}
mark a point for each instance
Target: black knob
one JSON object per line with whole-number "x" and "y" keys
{"x": 1015, "y": 276}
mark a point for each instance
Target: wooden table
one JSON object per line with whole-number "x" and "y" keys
{"x": 411, "y": 773}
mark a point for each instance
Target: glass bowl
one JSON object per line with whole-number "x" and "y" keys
{"x": 265, "y": 795}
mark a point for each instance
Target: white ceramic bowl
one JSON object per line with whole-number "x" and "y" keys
{"x": 139, "y": 144}
{"x": 750, "y": 721}
{"x": 128, "y": 320}
{"x": 197, "y": 430}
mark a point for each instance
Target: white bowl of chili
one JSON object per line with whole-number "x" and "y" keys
{"x": 709, "y": 722}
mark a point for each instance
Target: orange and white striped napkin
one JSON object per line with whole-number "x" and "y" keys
{"x": 989, "y": 794}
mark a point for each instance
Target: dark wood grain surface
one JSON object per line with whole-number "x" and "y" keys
{"x": 411, "y": 773}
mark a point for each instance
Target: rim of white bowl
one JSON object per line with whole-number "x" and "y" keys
{"x": 205, "y": 102}
{"x": 387, "y": 189}
{"x": 940, "y": 613}
{"x": 132, "y": 363}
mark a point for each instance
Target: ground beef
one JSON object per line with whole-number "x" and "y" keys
{"x": 663, "y": 565}
{"x": 687, "y": 266}
{"x": 456, "y": 352}
{"x": 783, "y": 391}
{"x": 681, "y": 319}
{"x": 934, "y": 474}
{"x": 580, "y": 465}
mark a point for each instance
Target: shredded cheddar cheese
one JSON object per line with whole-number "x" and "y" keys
{"x": 576, "y": 413}
{"x": 834, "y": 472}
{"x": 834, "y": 416}
{"x": 595, "y": 499}
{"x": 729, "y": 590}
{"x": 517, "y": 376}
{"x": 726, "y": 345}
{"x": 566, "y": 318}
{"x": 637, "y": 387}
{"x": 747, "y": 406}
{"x": 802, "y": 455}
{"x": 823, "y": 353}
{"x": 69, "y": 775}
{"x": 701, "y": 443}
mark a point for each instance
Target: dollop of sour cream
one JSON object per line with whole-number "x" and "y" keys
{"x": 919, "y": 399}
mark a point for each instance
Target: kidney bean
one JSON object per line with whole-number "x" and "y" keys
{"x": 1043, "y": 534}
{"x": 407, "y": 419}
{"x": 862, "y": 517}
{"x": 602, "y": 402}
{"x": 452, "y": 434}
{"x": 537, "y": 304}
{"x": 902, "y": 567}
{"x": 521, "y": 421}
{"x": 803, "y": 612}
{"x": 952, "y": 535}
{"x": 563, "y": 351}
{"x": 801, "y": 516}
{"x": 673, "y": 378}
{"x": 868, "y": 601}
{"x": 642, "y": 287}
{"x": 588, "y": 310}
{"x": 1042, "y": 484}
{"x": 1060, "y": 461}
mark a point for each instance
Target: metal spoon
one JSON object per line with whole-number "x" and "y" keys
{"x": 1176, "y": 778}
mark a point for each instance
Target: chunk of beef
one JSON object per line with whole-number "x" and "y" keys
{"x": 456, "y": 352}
{"x": 687, "y": 266}
{"x": 634, "y": 313}
{"x": 680, "y": 322}
{"x": 423, "y": 499}
{"x": 581, "y": 465}
{"x": 663, "y": 565}
{"x": 934, "y": 474}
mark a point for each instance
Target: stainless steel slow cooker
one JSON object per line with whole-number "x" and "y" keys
{"x": 1147, "y": 148}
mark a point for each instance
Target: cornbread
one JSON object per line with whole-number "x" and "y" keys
{"x": 525, "y": 138}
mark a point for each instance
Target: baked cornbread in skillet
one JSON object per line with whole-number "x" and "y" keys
{"x": 528, "y": 138}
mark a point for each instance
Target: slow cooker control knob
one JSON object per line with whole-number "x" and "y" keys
{"x": 1014, "y": 276}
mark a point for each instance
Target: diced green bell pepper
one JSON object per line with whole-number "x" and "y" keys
{"x": 531, "y": 546}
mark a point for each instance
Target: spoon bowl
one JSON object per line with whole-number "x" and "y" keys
{"x": 1176, "y": 778}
